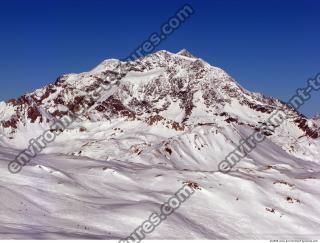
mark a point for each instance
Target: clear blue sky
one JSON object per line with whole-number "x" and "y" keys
{"x": 269, "y": 46}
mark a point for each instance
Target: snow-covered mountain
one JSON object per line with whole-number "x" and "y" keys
{"x": 169, "y": 119}
{"x": 177, "y": 92}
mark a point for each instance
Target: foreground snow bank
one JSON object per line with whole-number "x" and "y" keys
{"x": 67, "y": 197}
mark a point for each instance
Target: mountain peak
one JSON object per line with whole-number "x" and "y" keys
{"x": 186, "y": 53}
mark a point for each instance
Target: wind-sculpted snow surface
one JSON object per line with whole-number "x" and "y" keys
{"x": 168, "y": 122}
{"x": 59, "y": 196}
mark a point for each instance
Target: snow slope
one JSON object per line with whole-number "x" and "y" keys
{"x": 59, "y": 196}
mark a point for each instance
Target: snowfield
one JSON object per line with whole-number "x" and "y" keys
{"x": 170, "y": 122}
{"x": 268, "y": 195}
